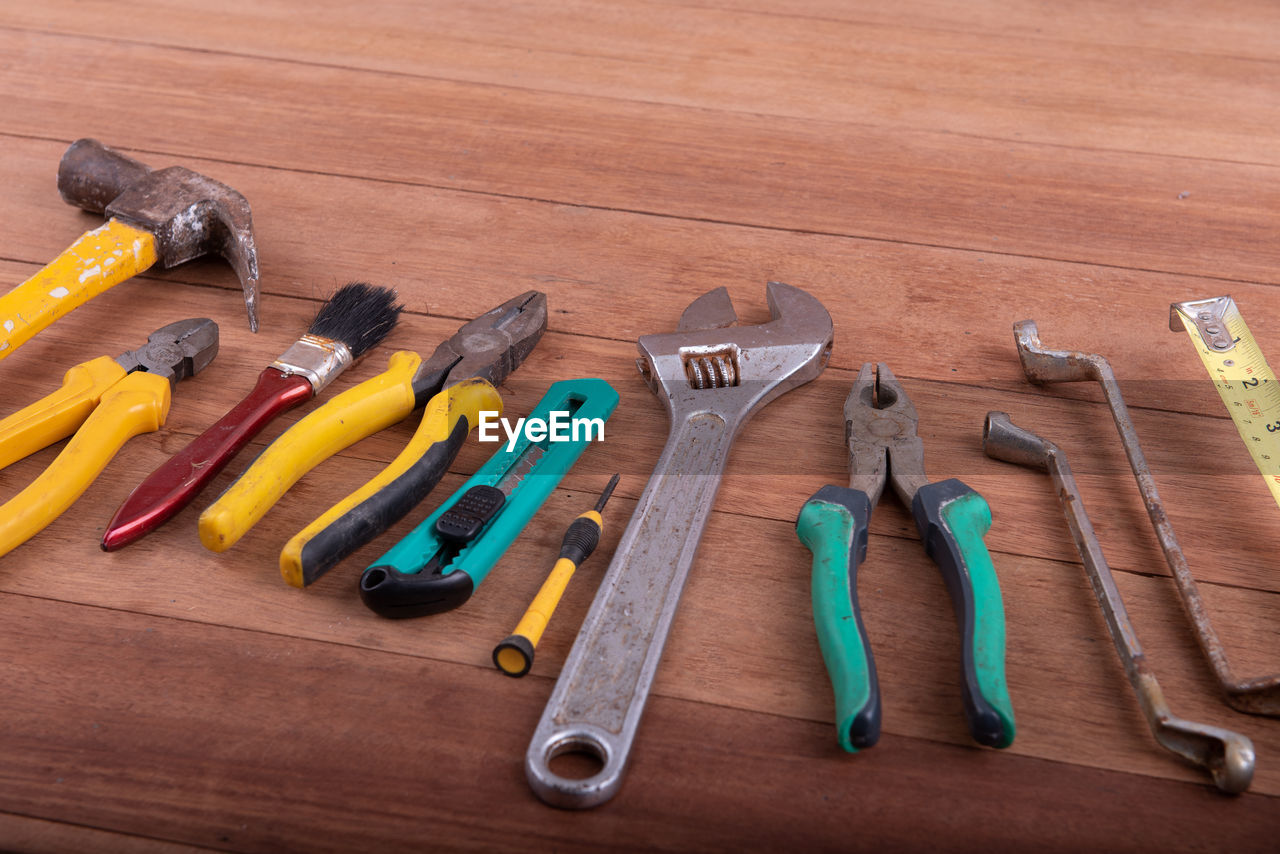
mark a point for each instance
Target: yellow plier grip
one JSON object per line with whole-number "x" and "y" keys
{"x": 138, "y": 403}
{"x": 359, "y": 412}
{"x": 397, "y": 489}
{"x": 57, "y": 415}
{"x": 99, "y": 260}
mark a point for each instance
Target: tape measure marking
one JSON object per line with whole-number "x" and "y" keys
{"x": 1240, "y": 372}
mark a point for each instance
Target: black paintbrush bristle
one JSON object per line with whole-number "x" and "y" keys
{"x": 359, "y": 315}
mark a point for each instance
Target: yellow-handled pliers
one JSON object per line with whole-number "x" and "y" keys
{"x": 454, "y": 385}
{"x": 110, "y": 401}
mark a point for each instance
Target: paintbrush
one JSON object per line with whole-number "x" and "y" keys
{"x": 353, "y": 320}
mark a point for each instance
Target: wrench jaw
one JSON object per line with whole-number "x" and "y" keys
{"x": 706, "y": 367}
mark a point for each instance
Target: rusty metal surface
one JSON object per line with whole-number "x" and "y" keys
{"x": 1258, "y": 695}
{"x": 1228, "y": 756}
{"x": 189, "y": 215}
{"x": 600, "y": 696}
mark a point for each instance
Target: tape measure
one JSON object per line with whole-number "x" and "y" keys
{"x": 1241, "y": 374}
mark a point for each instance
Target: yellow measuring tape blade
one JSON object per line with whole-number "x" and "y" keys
{"x": 1241, "y": 374}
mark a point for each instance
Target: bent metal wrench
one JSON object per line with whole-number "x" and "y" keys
{"x": 712, "y": 380}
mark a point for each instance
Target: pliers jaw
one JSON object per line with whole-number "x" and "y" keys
{"x": 880, "y": 430}
{"x": 490, "y": 347}
{"x": 177, "y": 351}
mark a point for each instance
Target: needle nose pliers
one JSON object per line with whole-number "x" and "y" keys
{"x": 880, "y": 428}
{"x": 110, "y": 401}
{"x": 454, "y": 385}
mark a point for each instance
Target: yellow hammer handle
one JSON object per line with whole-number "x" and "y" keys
{"x": 465, "y": 399}
{"x": 56, "y": 416}
{"x": 100, "y": 259}
{"x": 359, "y": 412}
{"x": 137, "y": 404}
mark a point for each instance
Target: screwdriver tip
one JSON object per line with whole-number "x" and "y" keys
{"x": 608, "y": 491}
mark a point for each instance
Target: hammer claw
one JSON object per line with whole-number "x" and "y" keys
{"x": 169, "y": 215}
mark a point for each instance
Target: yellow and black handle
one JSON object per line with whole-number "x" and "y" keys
{"x": 514, "y": 655}
{"x": 357, "y": 413}
{"x": 364, "y": 514}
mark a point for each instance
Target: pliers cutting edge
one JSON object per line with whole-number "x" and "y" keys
{"x": 880, "y": 428}
{"x": 110, "y": 401}
{"x": 455, "y": 384}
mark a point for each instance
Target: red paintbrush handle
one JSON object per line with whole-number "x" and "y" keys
{"x": 172, "y": 486}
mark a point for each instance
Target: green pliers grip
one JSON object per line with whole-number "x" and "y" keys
{"x": 952, "y": 519}
{"x": 833, "y": 526}
{"x": 422, "y": 574}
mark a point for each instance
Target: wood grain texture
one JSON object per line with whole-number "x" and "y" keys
{"x": 931, "y": 175}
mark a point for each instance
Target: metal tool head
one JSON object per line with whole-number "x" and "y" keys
{"x": 1042, "y": 365}
{"x": 710, "y": 364}
{"x": 880, "y": 430}
{"x": 176, "y": 351}
{"x": 189, "y": 214}
{"x": 490, "y": 347}
{"x": 1228, "y": 756}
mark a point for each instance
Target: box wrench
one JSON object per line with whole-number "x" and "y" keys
{"x": 1257, "y": 695}
{"x": 1228, "y": 756}
{"x": 712, "y": 381}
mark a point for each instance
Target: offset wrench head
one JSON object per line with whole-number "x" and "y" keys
{"x": 1042, "y": 365}
{"x": 707, "y": 364}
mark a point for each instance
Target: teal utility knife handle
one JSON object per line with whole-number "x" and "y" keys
{"x": 419, "y": 575}
{"x": 952, "y": 519}
{"x": 833, "y": 525}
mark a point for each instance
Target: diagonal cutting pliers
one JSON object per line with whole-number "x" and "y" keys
{"x": 880, "y": 428}
{"x": 454, "y": 385}
{"x": 109, "y": 401}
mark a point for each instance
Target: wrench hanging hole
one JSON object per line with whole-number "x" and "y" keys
{"x": 576, "y": 758}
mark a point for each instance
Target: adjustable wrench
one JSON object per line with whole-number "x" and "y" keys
{"x": 712, "y": 380}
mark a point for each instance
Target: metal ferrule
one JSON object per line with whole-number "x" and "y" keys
{"x": 318, "y": 359}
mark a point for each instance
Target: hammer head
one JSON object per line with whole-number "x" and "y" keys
{"x": 189, "y": 215}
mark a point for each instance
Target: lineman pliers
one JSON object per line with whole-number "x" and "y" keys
{"x": 455, "y": 385}
{"x": 880, "y": 428}
{"x": 110, "y": 401}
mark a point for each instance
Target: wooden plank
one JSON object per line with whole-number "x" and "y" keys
{"x": 757, "y": 581}
{"x": 1238, "y": 28}
{"x": 209, "y": 737}
{"x": 620, "y": 275}
{"x": 897, "y": 68}
{"x": 1199, "y": 492}
{"x": 41, "y": 836}
{"x": 935, "y": 188}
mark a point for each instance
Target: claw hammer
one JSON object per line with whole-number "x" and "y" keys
{"x": 712, "y": 380}
{"x": 168, "y": 215}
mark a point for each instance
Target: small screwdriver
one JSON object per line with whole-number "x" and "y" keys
{"x": 514, "y": 656}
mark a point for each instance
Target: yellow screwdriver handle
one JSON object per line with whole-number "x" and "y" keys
{"x": 56, "y": 416}
{"x": 100, "y": 259}
{"x": 396, "y": 490}
{"x": 137, "y": 404}
{"x": 535, "y": 619}
{"x": 359, "y": 412}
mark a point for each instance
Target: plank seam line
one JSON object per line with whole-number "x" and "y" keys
{"x": 124, "y": 834}
{"x": 356, "y": 69}
{"x": 688, "y": 218}
{"x": 1020, "y": 37}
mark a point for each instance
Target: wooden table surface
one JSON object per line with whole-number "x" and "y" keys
{"x": 931, "y": 171}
